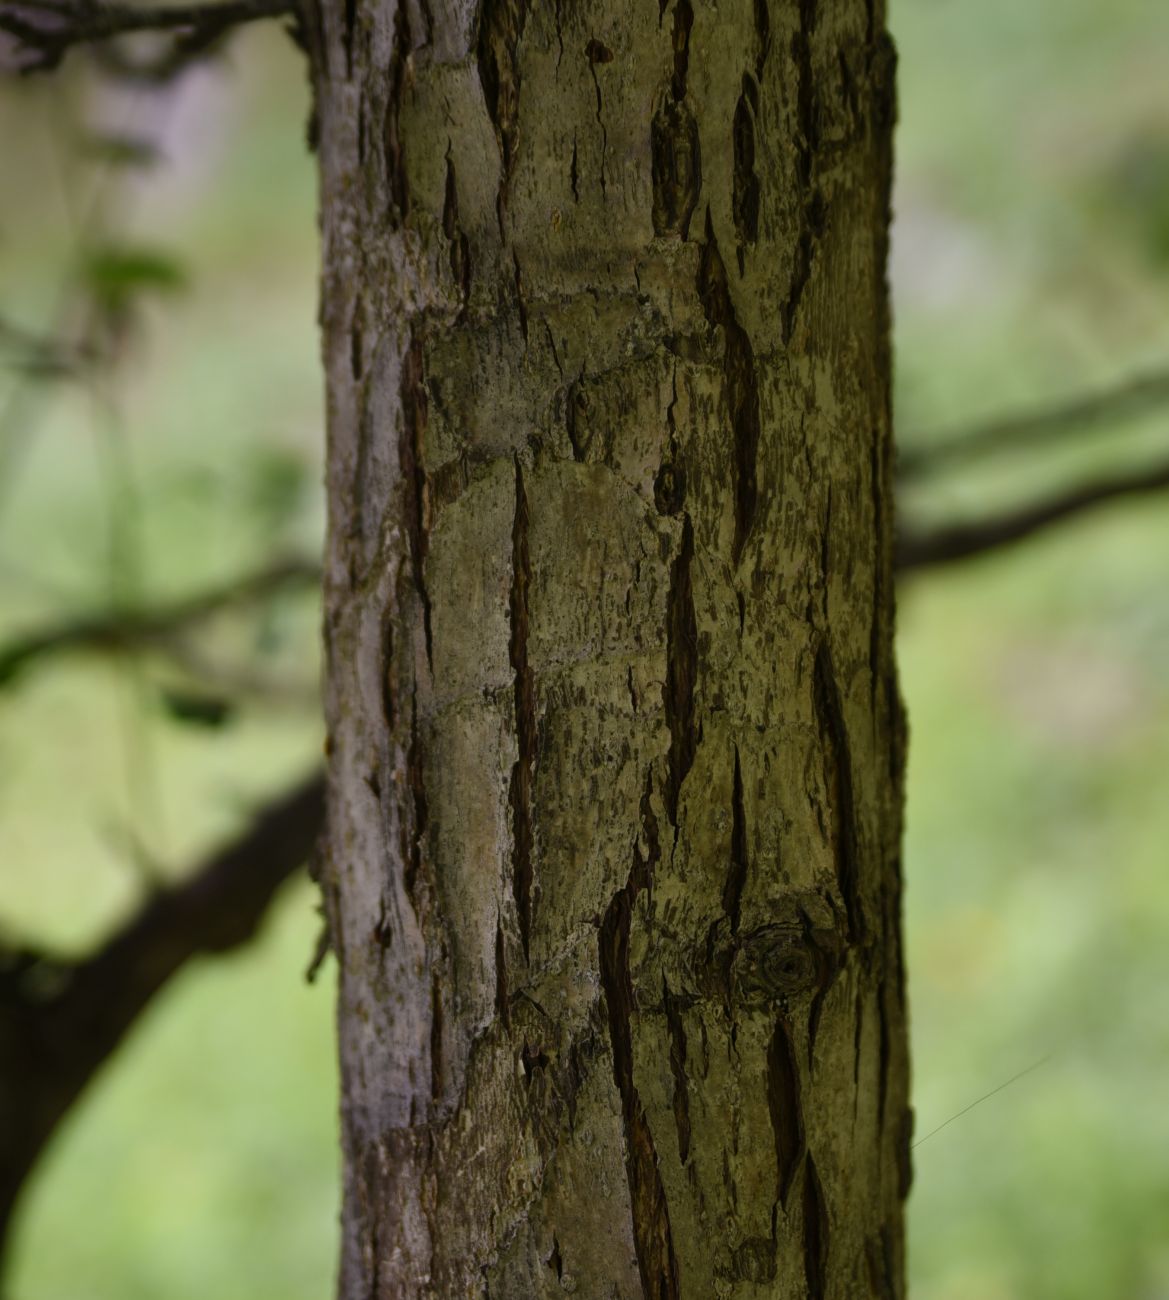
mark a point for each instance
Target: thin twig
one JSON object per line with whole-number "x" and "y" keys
{"x": 978, "y": 1102}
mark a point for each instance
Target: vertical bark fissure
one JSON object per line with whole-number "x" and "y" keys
{"x": 597, "y": 52}
{"x": 525, "y": 717}
{"x": 882, "y": 1273}
{"x": 883, "y": 1052}
{"x": 807, "y": 150}
{"x": 395, "y": 160}
{"x": 737, "y": 874}
{"x": 652, "y": 1238}
{"x": 785, "y": 1107}
{"x": 416, "y": 513}
{"x": 501, "y": 24}
{"x": 838, "y": 781}
{"x": 683, "y": 25}
{"x": 815, "y": 1233}
{"x": 763, "y": 35}
{"x": 348, "y": 32}
{"x": 673, "y": 1009}
{"x": 502, "y": 998}
{"x": 670, "y": 480}
{"x": 742, "y": 391}
{"x": 681, "y": 670}
{"x": 675, "y": 155}
{"x": 521, "y": 304}
{"x": 436, "y": 1024}
{"x": 828, "y": 967}
{"x": 744, "y": 181}
{"x": 460, "y": 249}
{"x": 415, "y": 827}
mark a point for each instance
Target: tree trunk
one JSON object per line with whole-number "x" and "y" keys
{"x": 614, "y": 734}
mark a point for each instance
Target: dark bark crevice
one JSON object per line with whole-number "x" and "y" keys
{"x": 678, "y": 1063}
{"x": 742, "y": 390}
{"x": 816, "y": 1232}
{"x": 812, "y": 213}
{"x": 681, "y": 670}
{"x": 415, "y": 482}
{"x": 737, "y": 874}
{"x": 763, "y": 34}
{"x": 460, "y": 248}
{"x": 395, "y": 159}
{"x": 597, "y": 52}
{"x": 520, "y": 796}
{"x": 675, "y": 156}
{"x": 652, "y": 1237}
{"x": 785, "y": 1107}
{"x": 744, "y": 182}
{"x": 501, "y": 24}
{"x": 838, "y": 780}
{"x": 502, "y": 997}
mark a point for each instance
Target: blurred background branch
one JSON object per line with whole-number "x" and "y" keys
{"x": 123, "y": 630}
{"x": 919, "y": 457}
{"x": 944, "y": 545}
{"x": 45, "y": 30}
{"x": 61, "y": 1019}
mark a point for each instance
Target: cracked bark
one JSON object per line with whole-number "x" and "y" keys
{"x": 615, "y": 742}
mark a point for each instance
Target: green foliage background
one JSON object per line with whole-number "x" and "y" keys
{"x": 1031, "y": 262}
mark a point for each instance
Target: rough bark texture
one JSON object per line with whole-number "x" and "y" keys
{"x": 615, "y": 741}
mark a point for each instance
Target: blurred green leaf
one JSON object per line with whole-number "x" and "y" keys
{"x": 114, "y": 274}
{"x": 1137, "y": 190}
{"x": 120, "y": 150}
{"x": 197, "y": 708}
{"x": 277, "y": 478}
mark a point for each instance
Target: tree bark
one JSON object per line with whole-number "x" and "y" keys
{"x": 615, "y": 745}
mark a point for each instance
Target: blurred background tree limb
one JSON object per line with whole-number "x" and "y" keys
{"x": 61, "y": 1019}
